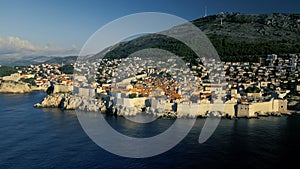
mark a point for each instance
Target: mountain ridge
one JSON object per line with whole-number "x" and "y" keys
{"x": 236, "y": 37}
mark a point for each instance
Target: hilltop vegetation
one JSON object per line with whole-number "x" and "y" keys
{"x": 235, "y": 34}
{"x": 150, "y": 41}
{"x": 67, "y": 69}
{"x": 236, "y": 37}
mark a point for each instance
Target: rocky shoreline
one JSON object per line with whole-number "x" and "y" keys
{"x": 68, "y": 101}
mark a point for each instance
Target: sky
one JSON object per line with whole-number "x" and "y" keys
{"x": 55, "y": 27}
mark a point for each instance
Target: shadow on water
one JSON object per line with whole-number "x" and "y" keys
{"x": 58, "y": 111}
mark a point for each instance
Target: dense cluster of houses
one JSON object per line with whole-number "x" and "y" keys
{"x": 41, "y": 75}
{"x": 232, "y": 88}
{"x": 239, "y": 89}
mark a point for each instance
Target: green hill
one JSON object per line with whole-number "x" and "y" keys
{"x": 241, "y": 34}
{"x": 236, "y": 37}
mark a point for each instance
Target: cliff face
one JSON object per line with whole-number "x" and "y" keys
{"x": 14, "y": 87}
{"x": 61, "y": 100}
{"x": 70, "y": 102}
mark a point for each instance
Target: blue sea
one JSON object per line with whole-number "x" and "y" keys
{"x": 52, "y": 138}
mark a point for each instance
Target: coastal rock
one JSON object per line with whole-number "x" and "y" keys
{"x": 14, "y": 87}
{"x": 70, "y": 102}
{"x": 51, "y": 101}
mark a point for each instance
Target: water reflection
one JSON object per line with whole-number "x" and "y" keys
{"x": 131, "y": 128}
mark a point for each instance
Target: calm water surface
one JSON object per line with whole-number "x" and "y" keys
{"x": 51, "y": 138}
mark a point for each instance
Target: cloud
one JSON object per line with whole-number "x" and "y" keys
{"x": 17, "y": 47}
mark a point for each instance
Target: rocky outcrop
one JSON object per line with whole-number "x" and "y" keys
{"x": 15, "y": 87}
{"x": 51, "y": 101}
{"x": 70, "y": 102}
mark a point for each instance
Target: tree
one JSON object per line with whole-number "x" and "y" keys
{"x": 29, "y": 80}
{"x": 132, "y": 95}
{"x": 67, "y": 69}
{"x": 253, "y": 89}
{"x": 6, "y": 71}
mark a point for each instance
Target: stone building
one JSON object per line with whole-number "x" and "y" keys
{"x": 261, "y": 108}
